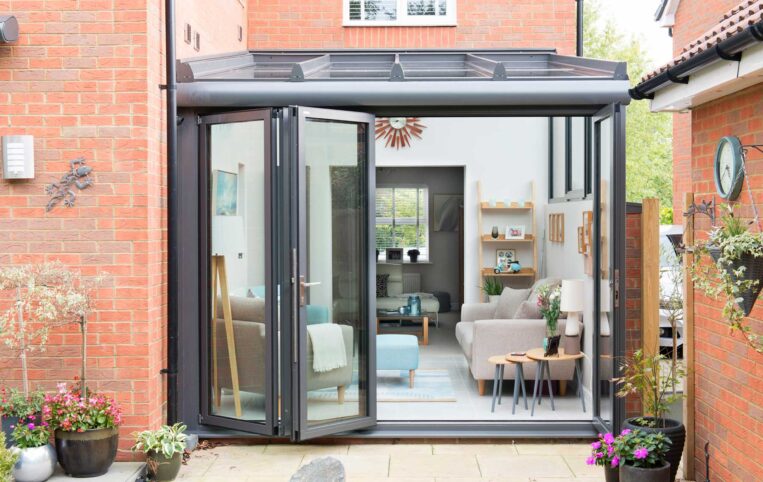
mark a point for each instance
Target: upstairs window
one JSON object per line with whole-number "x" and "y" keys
{"x": 399, "y": 12}
{"x": 402, "y": 220}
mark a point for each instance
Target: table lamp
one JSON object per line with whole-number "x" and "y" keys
{"x": 572, "y": 304}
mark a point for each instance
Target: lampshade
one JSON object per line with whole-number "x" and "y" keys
{"x": 572, "y": 295}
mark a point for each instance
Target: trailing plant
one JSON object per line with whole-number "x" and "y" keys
{"x": 167, "y": 441}
{"x": 29, "y": 435}
{"x": 724, "y": 277}
{"x": 8, "y": 459}
{"x": 492, "y": 287}
{"x": 642, "y": 449}
{"x": 71, "y": 410}
{"x": 549, "y": 300}
{"x": 13, "y": 403}
{"x": 649, "y": 378}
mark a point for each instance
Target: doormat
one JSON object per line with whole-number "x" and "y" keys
{"x": 392, "y": 386}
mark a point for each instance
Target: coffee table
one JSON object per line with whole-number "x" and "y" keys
{"x": 538, "y": 355}
{"x": 423, "y": 319}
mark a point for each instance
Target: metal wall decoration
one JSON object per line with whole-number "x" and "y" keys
{"x": 398, "y": 131}
{"x": 706, "y": 208}
{"x": 63, "y": 191}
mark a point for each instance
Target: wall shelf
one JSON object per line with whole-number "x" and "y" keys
{"x": 486, "y": 238}
{"x": 523, "y": 273}
{"x": 502, "y": 207}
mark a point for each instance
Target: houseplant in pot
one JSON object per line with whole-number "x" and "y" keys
{"x": 414, "y": 255}
{"x": 164, "y": 450}
{"x": 492, "y": 288}
{"x": 549, "y": 302}
{"x": 86, "y": 428}
{"x": 653, "y": 379}
{"x": 642, "y": 456}
{"x": 37, "y": 458}
{"x": 15, "y": 406}
{"x": 603, "y": 454}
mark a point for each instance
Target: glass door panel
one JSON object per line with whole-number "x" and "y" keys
{"x": 237, "y": 335}
{"x": 336, "y": 375}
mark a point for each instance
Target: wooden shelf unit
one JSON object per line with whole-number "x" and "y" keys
{"x": 511, "y": 214}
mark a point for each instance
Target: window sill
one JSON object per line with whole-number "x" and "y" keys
{"x": 361, "y": 23}
{"x": 403, "y": 262}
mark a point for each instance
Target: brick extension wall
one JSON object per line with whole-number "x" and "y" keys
{"x": 481, "y": 24}
{"x": 83, "y": 79}
{"x": 729, "y": 374}
{"x": 633, "y": 320}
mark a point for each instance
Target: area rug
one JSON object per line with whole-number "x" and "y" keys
{"x": 392, "y": 386}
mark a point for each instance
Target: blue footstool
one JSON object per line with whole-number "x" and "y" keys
{"x": 398, "y": 352}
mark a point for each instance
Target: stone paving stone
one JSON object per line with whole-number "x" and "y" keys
{"x": 523, "y": 466}
{"x": 580, "y": 468}
{"x": 361, "y": 465}
{"x": 276, "y": 449}
{"x": 405, "y": 465}
{"x": 475, "y": 449}
{"x": 390, "y": 449}
{"x": 554, "y": 449}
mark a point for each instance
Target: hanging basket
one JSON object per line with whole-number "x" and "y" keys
{"x": 753, "y": 271}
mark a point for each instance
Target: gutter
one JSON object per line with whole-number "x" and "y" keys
{"x": 579, "y": 27}
{"x": 730, "y": 49}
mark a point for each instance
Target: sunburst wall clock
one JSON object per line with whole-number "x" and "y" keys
{"x": 398, "y": 131}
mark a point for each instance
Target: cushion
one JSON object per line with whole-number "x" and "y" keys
{"x": 509, "y": 302}
{"x": 381, "y": 285}
{"x": 528, "y": 310}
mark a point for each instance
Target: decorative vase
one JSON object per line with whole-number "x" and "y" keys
{"x": 611, "y": 474}
{"x": 673, "y": 429}
{"x": 8, "y": 423}
{"x": 629, "y": 473}
{"x": 87, "y": 454}
{"x": 161, "y": 468}
{"x": 414, "y": 258}
{"x": 753, "y": 271}
{"x": 35, "y": 464}
{"x": 494, "y": 232}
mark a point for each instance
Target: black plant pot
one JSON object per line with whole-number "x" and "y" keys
{"x": 414, "y": 258}
{"x": 611, "y": 474}
{"x": 753, "y": 272}
{"x": 629, "y": 473}
{"x": 163, "y": 469}
{"x": 673, "y": 429}
{"x": 87, "y": 454}
{"x": 8, "y": 424}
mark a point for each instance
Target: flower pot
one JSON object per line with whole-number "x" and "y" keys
{"x": 8, "y": 424}
{"x": 753, "y": 272}
{"x": 87, "y": 454}
{"x": 571, "y": 344}
{"x": 629, "y": 473}
{"x": 674, "y": 430}
{"x": 494, "y": 298}
{"x": 35, "y": 464}
{"x": 414, "y": 258}
{"x": 611, "y": 474}
{"x": 161, "y": 468}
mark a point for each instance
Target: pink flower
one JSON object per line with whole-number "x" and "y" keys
{"x": 609, "y": 439}
{"x": 590, "y": 461}
{"x": 596, "y": 445}
{"x": 641, "y": 453}
{"x": 30, "y": 426}
{"x": 615, "y": 461}
{"x": 610, "y": 449}
{"x": 599, "y": 455}
{"x": 625, "y": 432}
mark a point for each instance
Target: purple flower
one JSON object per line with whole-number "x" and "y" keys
{"x": 615, "y": 461}
{"x": 609, "y": 439}
{"x": 590, "y": 461}
{"x": 596, "y": 445}
{"x": 625, "y": 432}
{"x": 610, "y": 449}
{"x": 599, "y": 455}
{"x": 30, "y": 426}
{"x": 640, "y": 453}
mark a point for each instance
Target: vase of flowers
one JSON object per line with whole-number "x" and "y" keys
{"x": 164, "y": 450}
{"x": 603, "y": 454}
{"x": 642, "y": 456}
{"x": 36, "y": 457}
{"x": 549, "y": 299}
{"x": 86, "y": 428}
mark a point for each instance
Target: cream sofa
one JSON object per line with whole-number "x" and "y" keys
{"x": 481, "y": 336}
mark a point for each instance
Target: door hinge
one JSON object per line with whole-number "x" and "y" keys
{"x": 198, "y": 120}
{"x": 617, "y": 288}
{"x": 200, "y": 419}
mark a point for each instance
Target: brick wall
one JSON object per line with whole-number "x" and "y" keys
{"x": 217, "y": 24}
{"x": 83, "y": 79}
{"x": 729, "y": 374}
{"x": 633, "y": 321}
{"x": 480, "y": 24}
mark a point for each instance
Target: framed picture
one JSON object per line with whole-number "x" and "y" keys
{"x": 581, "y": 240}
{"x": 503, "y": 258}
{"x": 588, "y": 231}
{"x": 225, "y": 193}
{"x": 446, "y": 211}
{"x": 556, "y": 227}
{"x": 515, "y": 231}
{"x": 394, "y": 255}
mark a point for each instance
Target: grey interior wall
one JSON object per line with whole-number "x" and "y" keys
{"x": 442, "y": 273}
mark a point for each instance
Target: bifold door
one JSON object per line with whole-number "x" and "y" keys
{"x": 288, "y": 340}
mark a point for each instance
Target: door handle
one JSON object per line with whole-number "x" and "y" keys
{"x": 302, "y": 289}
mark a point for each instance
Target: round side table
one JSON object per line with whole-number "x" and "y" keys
{"x": 500, "y": 363}
{"x": 519, "y": 379}
{"x": 543, "y": 370}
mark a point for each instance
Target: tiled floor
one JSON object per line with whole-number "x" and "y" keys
{"x": 399, "y": 462}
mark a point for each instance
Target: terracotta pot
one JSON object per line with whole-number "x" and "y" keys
{"x": 87, "y": 454}
{"x": 163, "y": 469}
{"x": 674, "y": 430}
{"x": 629, "y": 473}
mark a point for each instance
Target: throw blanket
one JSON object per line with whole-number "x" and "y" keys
{"x": 329, "y": 352}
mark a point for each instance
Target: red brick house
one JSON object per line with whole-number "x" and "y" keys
{"x": 85, "y": 79}
{"x": 714, "y": 83}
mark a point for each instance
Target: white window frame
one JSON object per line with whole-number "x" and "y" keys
{"x": 424, "y": 220}
{"x": 403, "y": 19}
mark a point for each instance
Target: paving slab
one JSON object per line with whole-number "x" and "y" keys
{"x": 119, "y": 472}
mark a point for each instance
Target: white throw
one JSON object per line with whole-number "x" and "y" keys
{"x": 329, "y": 352}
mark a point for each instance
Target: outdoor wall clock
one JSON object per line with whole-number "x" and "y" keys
{"x": 398, "y": 131}
{"x": 729, "y": 169}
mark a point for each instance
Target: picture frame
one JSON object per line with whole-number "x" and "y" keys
{"x": 581, "y": 240}
{"x": 587, "y": 231}
{"x": 515, "y": 231}
{"x": 225, "y": 193}
{"x": 556, "y": 227}
{"x": 503, "y": 258}
{"x": 394, "y": 255}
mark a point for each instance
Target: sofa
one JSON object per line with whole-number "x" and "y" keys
{"x": 481, "y": 335}
{"x": 396, "y": 297}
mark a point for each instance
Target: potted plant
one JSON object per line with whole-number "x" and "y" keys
{"x": 642, "y": 456}
{"x": 8, "y": 459}
{"x": 736, "y": 273}
{"x": 653, "y": 378}
{"x": 603, "y": 454}
{"x": 86, "y": 429}
{"x": 14, "y": 406}
{"x": 549, "y": 301}
{"x": 164, "y": 450}
{"x": 36, "y": 457}
{"x": 414, "y": 255}
{"x": 493, "y": 288}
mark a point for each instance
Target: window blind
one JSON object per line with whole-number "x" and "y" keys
{"x": 402, "y": 219}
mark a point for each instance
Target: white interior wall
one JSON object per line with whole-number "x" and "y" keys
{"x": 505, "y": 154}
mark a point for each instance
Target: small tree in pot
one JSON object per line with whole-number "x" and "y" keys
{"x": 653, "y": 378}
{"x": 642, "y": 456}
{"x": 164, "y": 450}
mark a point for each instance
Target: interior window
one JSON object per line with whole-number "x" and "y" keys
{"x": 402, "y": 215}
{"x": 570, "y": 160}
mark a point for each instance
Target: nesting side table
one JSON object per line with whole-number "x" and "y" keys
{"x": 500, "y": 362}
{"x": 543, "y": 371}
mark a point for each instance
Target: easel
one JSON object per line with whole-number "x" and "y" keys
{"x": 219, "y": 275}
